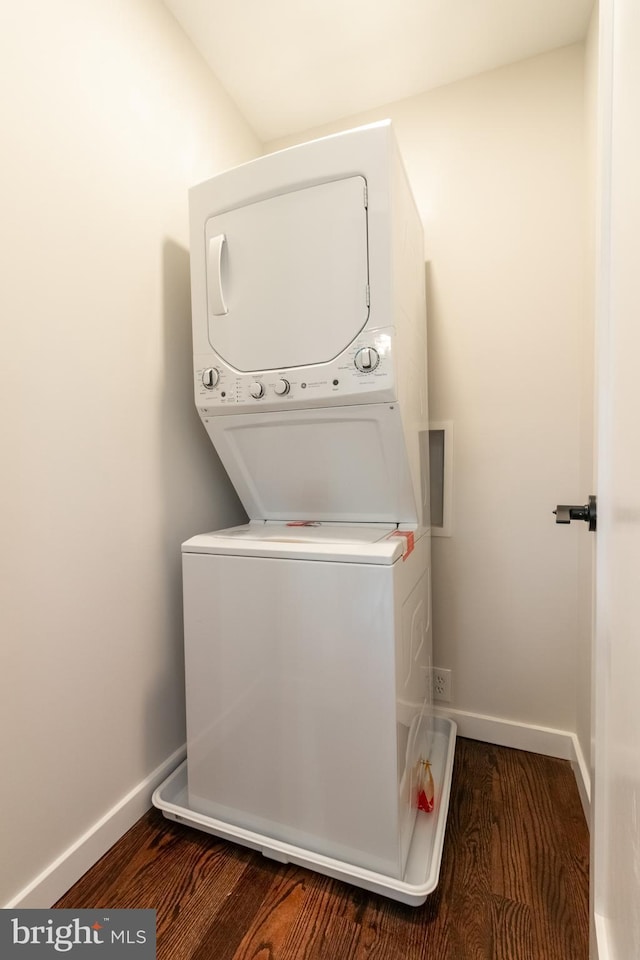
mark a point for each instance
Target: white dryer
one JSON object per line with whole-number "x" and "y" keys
{"x": 308, "y": 631}
{"x": 309, "y": 331}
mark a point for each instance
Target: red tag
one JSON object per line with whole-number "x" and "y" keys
{"x": 426, "y": 788}
{"x": 303, "y": 523}
{"x": 408, "y": 541}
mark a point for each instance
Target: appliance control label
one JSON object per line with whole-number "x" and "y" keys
{"x": 363, "y": 373}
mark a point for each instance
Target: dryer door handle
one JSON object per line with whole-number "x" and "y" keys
{"x": 217, "y": 306}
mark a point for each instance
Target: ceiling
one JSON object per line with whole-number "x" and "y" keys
{"x": 294, "y": 64}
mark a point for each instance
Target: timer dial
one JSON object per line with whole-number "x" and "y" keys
{"x": 210, "y": 378}
{"x": 282, "y": 387}
{"x": 367, "y": 359}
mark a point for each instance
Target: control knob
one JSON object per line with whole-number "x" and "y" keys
{"x": 256, "y": 389}
{"x": 210, "y": 378}
{"x": 367, "y": 359}
{"x": 282, "y": 387}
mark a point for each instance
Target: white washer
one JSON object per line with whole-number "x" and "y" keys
{"x": 307, "y": 667}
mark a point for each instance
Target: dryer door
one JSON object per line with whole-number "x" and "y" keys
{"x": 287, "y": 277}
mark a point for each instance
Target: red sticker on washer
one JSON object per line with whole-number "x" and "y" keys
{"x": 303, "y": 523}
{"x": 408, "y": 541}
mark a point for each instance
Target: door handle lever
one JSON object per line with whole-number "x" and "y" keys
{"x": 565, "y": 513}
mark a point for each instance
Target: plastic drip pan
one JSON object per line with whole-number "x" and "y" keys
{"x": 425, "y": 853}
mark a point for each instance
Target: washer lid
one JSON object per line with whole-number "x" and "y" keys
{"x": 287, "y": 277}
{"x": 346, "y": 543}
{"x": 349, "y": 464}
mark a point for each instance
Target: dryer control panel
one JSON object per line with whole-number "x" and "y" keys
{"x": 363, "y": 373}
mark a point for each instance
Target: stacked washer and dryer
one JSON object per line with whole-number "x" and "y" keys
{"x": 308, "y": 629}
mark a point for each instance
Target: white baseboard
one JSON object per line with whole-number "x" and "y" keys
{"x": 73, "y": 862}
{"x": 583, "y": 778}
{"x": 527, "y": 736}
{"x": 600, "y": 943}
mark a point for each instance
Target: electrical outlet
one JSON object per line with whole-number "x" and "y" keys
{"x": 441, "y": 679}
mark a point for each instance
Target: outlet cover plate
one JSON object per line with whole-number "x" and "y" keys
{"x": 441, "y": 684}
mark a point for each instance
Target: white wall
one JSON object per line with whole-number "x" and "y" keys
{"x": 498, "y": 170}
{"x": 107, "y": 116}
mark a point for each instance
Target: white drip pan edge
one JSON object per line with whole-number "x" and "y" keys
{"x": 425, "y": 853}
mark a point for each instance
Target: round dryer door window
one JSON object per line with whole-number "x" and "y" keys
{"x": 287, "y": 277}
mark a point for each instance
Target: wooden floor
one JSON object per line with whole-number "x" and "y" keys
{"x": 513, "y": 885}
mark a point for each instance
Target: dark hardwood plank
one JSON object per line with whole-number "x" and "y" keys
{"x": 511, "y": 928}
{"x": 272, "y": 924}
{"x": 510, "y": 873}
{"x": 513, "y": 884}
{"x": 325, "y": 929}
{"x": 222, "y": 934}
{"x": 532, "y": 842}
{"x": 469, "y": 887}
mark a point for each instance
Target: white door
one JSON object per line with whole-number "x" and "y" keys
{"x": 287, "y": 277}
{"x": 616, "y": 811}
